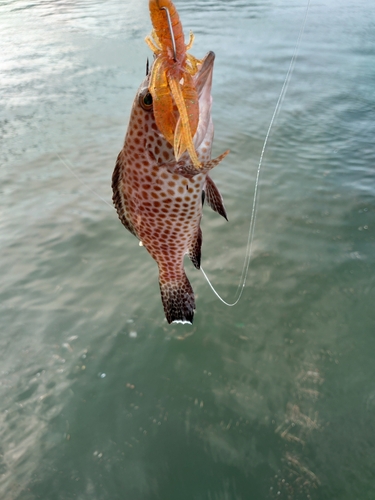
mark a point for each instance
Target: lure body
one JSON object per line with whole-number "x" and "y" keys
{"x": 171, "y": 83}
{"x": 158, "y": 196}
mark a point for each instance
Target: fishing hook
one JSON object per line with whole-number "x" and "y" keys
{"x": 171, "y": 32}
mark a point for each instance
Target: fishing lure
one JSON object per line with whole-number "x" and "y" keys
{"x": 161, "y": 177}
{"x": 171, "y": 83}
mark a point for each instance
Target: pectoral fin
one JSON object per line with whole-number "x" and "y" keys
{"x": 214, "y": 198}
{"x": 188, "y": 170}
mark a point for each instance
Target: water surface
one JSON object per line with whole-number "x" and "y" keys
{"x": 274, "y": 398}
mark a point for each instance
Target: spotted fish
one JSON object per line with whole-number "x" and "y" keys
{"x": 159, "y": 198}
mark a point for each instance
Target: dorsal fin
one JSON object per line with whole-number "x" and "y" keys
{"x": 118, "y": 197}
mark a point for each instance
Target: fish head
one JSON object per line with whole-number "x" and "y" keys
{"x": 144, "y": 137}
{"x": 143, "y": 116}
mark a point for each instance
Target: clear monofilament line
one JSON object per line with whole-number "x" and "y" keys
{"x": 249, "y": 244}
{"x": 66, "y": 162}
{"x": 66, "y": 165}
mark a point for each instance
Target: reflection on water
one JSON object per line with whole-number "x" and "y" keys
{"x": 274, "y": 398}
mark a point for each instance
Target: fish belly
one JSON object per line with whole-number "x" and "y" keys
{"x": 165, "y": 209}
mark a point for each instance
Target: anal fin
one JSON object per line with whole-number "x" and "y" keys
{"x": 195, "y": 250}
{"x": 214, "y": 198}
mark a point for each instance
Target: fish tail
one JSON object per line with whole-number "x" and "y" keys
{"x": 178, "y": 299}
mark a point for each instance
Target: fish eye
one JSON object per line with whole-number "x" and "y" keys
{"x": 145, "y": 100}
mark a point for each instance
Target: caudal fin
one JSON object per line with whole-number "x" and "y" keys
{"x": 178, "y": 299}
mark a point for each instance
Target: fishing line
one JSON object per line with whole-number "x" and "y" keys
{"x": 65, "y": 163}
{"x": 249, "y": 244}
{"x": 69, "y": 167}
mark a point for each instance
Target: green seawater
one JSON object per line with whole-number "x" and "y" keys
{"x": 100, "y": 399}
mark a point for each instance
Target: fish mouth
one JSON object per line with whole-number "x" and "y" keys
{"x": 203, "y": 78}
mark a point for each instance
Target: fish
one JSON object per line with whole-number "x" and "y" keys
{"x": 161, "y": 177}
